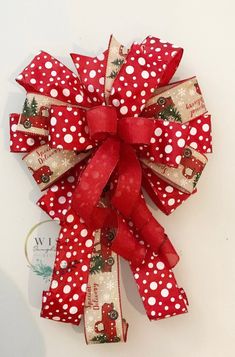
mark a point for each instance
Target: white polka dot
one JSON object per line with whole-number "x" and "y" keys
{"x": 178, "y": 159}
{"x": 145, "y": 74}
{"x": 66, "y": 92}
{"x": 171, "y": 201}
{"x": 83, "y": 287}
{"x": 116, "y": 102}
{"x": 84, "y": 268}
{"x": 90, "y": 88}
{"x": 168, "y": 149}
{"x": 153, "y": 285}
{"x": 30, "y": 141}
{"x": 53, "y": 121}
{"x": 48, "y": 65}
{"x": 54, "y": 284}
{"x": 151, "y": 301}
{"x": 73, "y": 310}
{"x": 65, "y": 306}
{"x": 62, "y": 200}
{"x": 169, "y": 189}
{"x": 53, "y": 93}
{"x": 205, "y": 127}
{"x": 160, "y": 266}
{"x": 101, "y": 81}
{"x": 88, "y": 243}
{"x": 164, "y": 292}
{"x": 181, "y": 143}
{"x": 84, "y": 232}
{"x": 193, "y": 145}
{"x": 53, "y": 73}
{"x": 128, "y": 93}
{"x": 158, "y": 132}
{"x": 136, "y": 276}
{"x": 63, "y": 264}
{"x": 71, "y": 179}
{"x": 67, "y": 289}
{"x": 82, "y": 140}
{"x": 193, "y": 131}
{"x": 14, "y": 127}
{"x": 177, "y": 306}
{"x": 169, "y": 285}
{"x": 70, "y": 218}
{"x": 178, "y": 134}
{"x": 141, "y": 61}
{"x": 75, "y": 297}
{"x": 92, "y": 73}
{"x": 56, "y": 318}
{"x": 33, "y": 80}
{"x": 129, "y": 69}
{"x": 68, "y": 138}
{"x": 79, "y": 98}
{"x": 54, "y": 188}
{"x": 123, "y": 110}
{"x": 73, "y": 128}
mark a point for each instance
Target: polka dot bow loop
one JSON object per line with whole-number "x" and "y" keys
{"x": 100, "y": 135}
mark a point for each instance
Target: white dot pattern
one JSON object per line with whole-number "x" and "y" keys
{"x": 48, "y": 75}
{"x": 142, "y": 71}
{"x": 70, "y": 133}
{"x": 165, "y": 196}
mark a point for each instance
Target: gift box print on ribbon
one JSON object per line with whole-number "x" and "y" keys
{"x": 92, "y": 141}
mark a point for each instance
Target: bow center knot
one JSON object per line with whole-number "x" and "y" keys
{"x": 103, "y": 121}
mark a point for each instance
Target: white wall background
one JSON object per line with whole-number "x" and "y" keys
{"x": 202, "y": 229}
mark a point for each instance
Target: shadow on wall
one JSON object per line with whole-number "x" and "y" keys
{"x": 20, "y": 336}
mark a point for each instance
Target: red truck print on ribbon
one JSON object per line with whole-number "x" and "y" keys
{"x": 106, "y": 327}
{"x": 198, "y": 90}
{"x": 102, "y": 260}
{"x": 34, "y": 118}
{"x": 191, "y": 165}
{"x": 123, "y": 51}
{"x": 164, "y": 108}
{"x": 42, "y": 175}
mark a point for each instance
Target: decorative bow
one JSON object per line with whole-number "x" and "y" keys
{"x": 104, "y": 134}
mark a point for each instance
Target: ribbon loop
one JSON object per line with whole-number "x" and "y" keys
{"x": 101, "y": 120}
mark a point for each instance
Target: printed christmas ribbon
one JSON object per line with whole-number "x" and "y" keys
{"x": 102, "y": 311}
{"x": 115, "y": 127}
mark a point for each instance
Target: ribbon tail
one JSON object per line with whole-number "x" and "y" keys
{"x": 64, "y": 301}
{"x": 158, "y": 288}
{"x": 103, "y": 296}
{"x": 94, "y": 179}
